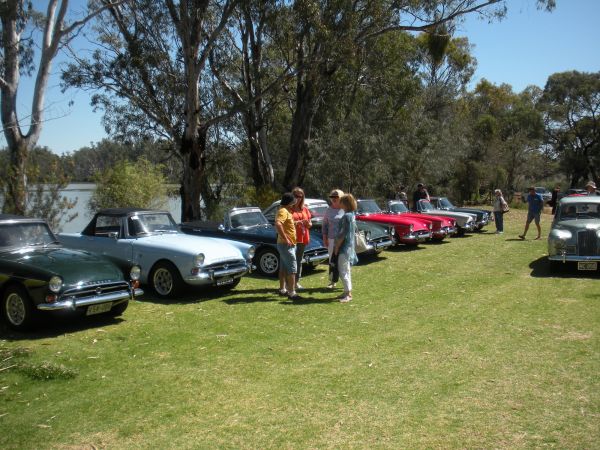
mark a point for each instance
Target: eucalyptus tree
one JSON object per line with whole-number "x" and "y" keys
{"x": 30, "y": 42}
{"x": 326, "y": 34}
{"x": 152, "y": 72}
{"x": 571, "y": 107}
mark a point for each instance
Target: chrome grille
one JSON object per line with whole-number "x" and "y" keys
{"x": 587, "y": 242}
{"x": 226, "y": 265}
{"x": 316, "y": 252}
{"x": 90, "y": 290}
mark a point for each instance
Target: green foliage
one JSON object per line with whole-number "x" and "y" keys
{"x": 139, "y": 184}
{"x": 262, "y": 197}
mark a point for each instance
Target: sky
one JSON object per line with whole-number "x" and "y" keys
{"x": 525, "y": 48}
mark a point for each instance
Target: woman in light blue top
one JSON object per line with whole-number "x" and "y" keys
{"x": 344, "y": 245}
{"x": 331, "y": 222}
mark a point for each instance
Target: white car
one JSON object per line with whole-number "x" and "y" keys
{"x": 464, "y": 221}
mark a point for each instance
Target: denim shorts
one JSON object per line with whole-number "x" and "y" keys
{"x": 287, "y": 258}
{"x": 533, "y": 216}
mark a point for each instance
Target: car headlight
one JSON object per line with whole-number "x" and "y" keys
{"x": 199, "y": 259}
{"x": 251, "y": 253}
{"x": 135, "y": 273}
{"x": 392, "y": 231}
{"x": 560, "y": 244}
{"x": 55, "y": 284}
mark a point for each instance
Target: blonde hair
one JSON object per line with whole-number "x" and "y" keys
{"x": 349, "y": 202}
{"x": 298, "y": 190}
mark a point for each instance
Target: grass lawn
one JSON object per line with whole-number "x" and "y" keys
{"x": 470, "y": 343}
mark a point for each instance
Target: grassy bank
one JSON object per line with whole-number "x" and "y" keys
{"x": 468, "y": 343}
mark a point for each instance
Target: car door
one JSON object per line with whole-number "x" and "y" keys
{"x": 110, "y": 239}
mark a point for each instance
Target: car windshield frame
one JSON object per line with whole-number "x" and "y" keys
{"x": 25, "y": 234}
{"x": 363, "y": 210}
{"x": 425, "y": 205}
{"x": 143, "y": 225}
{"x": 401, "y": 205}
{"x": 236, "y": 216}
{"x": 446, "y": 203}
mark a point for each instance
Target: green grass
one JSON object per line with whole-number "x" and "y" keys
{"x": 466, "y": 344}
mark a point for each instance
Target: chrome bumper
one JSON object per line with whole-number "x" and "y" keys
{"x": 412, "y": 238}
{"x": 574, "y": 258}
{"x": 315, "y": 258}
{"x": 212, "y": 276}
{"x": 87, "y": 301}
{"x": 375, "y": 246}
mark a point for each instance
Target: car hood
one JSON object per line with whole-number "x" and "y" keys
{"x": 375, "y": 230}
{"x": 418, "y": 224}
{"x": 478, "y": 212}
{"x": 73, "y": 266}
{"x": 215, "y": 249}
{"x": 461, "y": 218}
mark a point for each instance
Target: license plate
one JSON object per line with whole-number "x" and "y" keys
{"x": 224, "y": 281}
{"x": 587, "y": 265}
{"x": 98, "y": 309}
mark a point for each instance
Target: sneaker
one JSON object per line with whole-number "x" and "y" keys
{"x": 294, "y": 296}
{"x": 299, "y": 286}
{"x": 282, "y": 292}
{"x": 345, "y": 299}
{"x": 331, "y": 286}
{"x": 522, "y": 236}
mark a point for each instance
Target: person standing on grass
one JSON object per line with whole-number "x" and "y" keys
{"x": 331, "y": 221}
{"x": 286, "y": 246}
{"x": 500, "y": 206}
{"x": 302, "y": 222}
{"x": 344, "y": 245}
{"x": 554, "y": 200}
{"x": 420, "y": 194}
{"x": 535, "y": 206}
{"x": 590, "y": 187}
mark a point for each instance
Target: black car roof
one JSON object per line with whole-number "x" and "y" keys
{"x": 127, "y": 211}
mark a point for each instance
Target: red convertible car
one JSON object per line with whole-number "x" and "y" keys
{"x": 409, "y": 230}
{"x": 440, "y": 226}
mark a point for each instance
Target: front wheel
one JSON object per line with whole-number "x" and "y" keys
{"x": 268, "y": 262}
{"x": 165, "y": 280}
{"x": 18, "y": 309}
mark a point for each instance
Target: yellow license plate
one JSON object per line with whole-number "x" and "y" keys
{"x": 587, "y": 265}
{"x": 98, "y": 309}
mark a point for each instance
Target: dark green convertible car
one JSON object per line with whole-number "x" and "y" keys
{"x": 38, "y": 275}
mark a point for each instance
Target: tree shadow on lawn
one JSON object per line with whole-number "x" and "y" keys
{"x": 541, "y": 268}
{"x": 402, "y": 248}
{"x": 53, "y": 325}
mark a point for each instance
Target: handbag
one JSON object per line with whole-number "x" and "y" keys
{"x": 505, "y": 209}
{"x": 360, "y": 242}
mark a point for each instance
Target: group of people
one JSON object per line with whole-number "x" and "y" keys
{"x": 420, "y": 194}
{"x": 293, "y": 223}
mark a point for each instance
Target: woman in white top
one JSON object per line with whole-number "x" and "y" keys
{"x": 500, "y": 206}
{"x": 331, "y": 223}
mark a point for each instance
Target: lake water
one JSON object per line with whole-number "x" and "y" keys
{"x": 83, "y": 192}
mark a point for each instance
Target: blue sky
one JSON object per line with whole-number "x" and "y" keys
{"x": 523, "y": 49}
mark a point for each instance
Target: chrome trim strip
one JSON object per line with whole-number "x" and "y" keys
{"x": 86, "y": 301}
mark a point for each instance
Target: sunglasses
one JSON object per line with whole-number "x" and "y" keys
{"x": 298, "y": 195}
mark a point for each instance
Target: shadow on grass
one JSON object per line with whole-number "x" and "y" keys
{"x": 437, "y": 242}
{"x": 52, "y": 325}
{"x": 541, "y": 268}
{"x": 401, "y": 248}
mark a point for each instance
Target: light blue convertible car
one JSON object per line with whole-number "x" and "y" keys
{"x": 169, "y": 259}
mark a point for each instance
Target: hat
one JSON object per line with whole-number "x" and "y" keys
{"x": 591, "y": 183}
{"x": 420, "y": 185}
{"x": 287, "y": 199}
{"x": 336, "y": 193}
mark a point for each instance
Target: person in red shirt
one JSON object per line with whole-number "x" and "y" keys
{"x": 302, "y": 221}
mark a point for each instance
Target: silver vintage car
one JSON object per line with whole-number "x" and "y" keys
{"x": 169, "y": 259}
{"x": 575, "y": 234}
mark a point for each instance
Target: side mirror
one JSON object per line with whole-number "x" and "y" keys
{"x": 221, "y": 227}
{"x": 114, "y": 235}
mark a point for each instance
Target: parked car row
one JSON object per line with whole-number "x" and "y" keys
{"x": 100, "y": 269}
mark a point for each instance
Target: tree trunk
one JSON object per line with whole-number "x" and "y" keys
{"x": 262, "y": 168}
{"x": 192, "y": 151}
{"x": 302, "y": 121}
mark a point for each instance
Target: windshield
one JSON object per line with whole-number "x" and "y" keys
{"x": 318, "y": 211}
{"x": 540, "y": 190}
{"x": 24, "y": 234}
{"x": 152, "y": 223}
{"x": 398, "y": 207}
{"x": 424, "y": 205}
{"x": 248, "y": 219}
{"x": 368, "y": 207}
{"x": 445, "y": 203}
{"x": 580, "y": 211}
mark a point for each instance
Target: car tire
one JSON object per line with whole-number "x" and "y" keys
{"x": 165, "y": 280}
{"x": 267, "y": 262}
{"x": 118, "y": 309}
{"x": 18, "y": 309}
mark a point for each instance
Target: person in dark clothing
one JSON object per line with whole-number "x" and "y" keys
{"x": 420, "y": 194}
{"x": 554, "y": 200}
